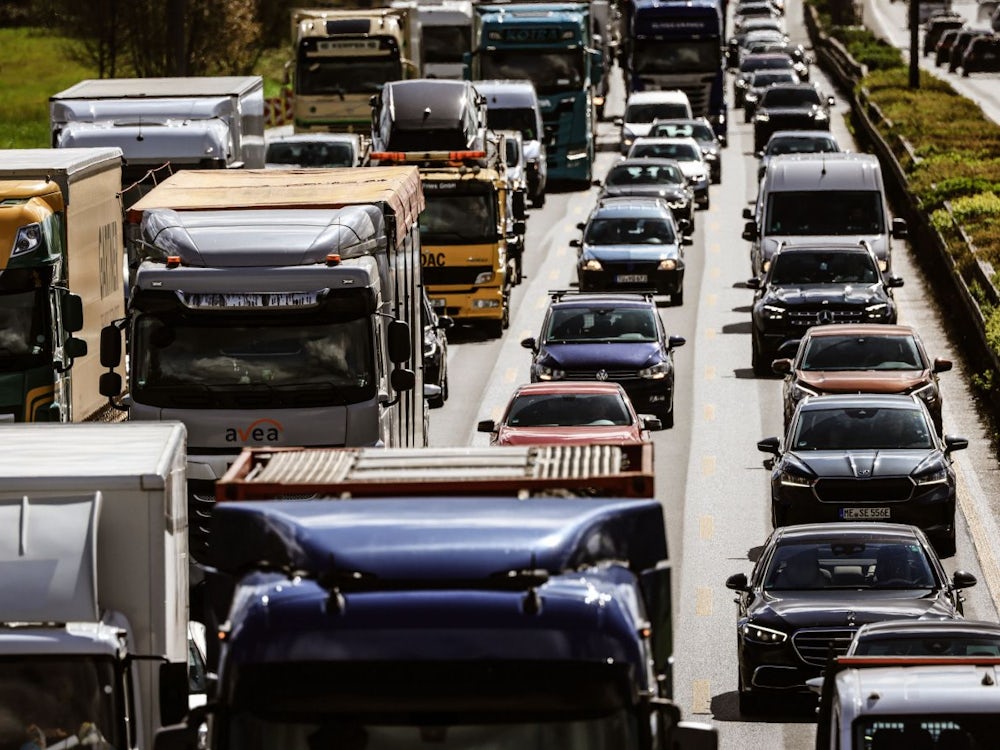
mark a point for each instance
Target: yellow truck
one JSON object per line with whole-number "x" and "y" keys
{"x": 342, "y": 58}
{"x": 61, "y": 263}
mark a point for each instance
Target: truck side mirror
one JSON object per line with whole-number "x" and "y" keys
{"x": 74, "y": 347}
{"x": 111, "y": 347}
{"x": 173, "y": 692}
{"x": 520, "y": 205}
{"x": 655, "y": 585}
{"x": 72, "y": 312}
{"x": 520, "y": 227}
{"x": 110, "y": 384}
{"x": 402, "y": 380}
{"x": 399, "y": 342}
{"x": 899, "y": 229}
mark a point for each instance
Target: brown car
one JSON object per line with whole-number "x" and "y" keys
{"x": 864, "y": 358}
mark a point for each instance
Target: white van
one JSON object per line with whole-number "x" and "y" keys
{"x": 643, "y": 107}
{"x": 821, "y": 197}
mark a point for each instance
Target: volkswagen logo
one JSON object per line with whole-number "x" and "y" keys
{"x": 825, "y": 317}
{"x": 602, "y": 374}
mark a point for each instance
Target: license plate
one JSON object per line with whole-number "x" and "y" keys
{"x": 438, "y": 302}
{"x": 864, "y": 514}
{"x": 631, "y": 278}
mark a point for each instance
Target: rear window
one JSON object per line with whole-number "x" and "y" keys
{"x": 861, "y": 353}
{"x": 656, "y": 111}
{"x": 568, "y": 410}
{"x": 824, "y": 212}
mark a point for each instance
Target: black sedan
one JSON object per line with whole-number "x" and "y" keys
{"x": 435, "y": 352}
{"x": 790, "y": 106}
{"x": 652, "y": 178}
{"x": 814, "y": 585}
{"x": 865, "y": 457}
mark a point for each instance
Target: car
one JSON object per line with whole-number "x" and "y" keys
{"x": 701, "y": 130}
{"x": 435, "y": 357}
{"x": 982, "y": 55}
{"x": 801, "y": 59}
{"x": 796, "y": 142}
{"x": 759, "y": 81}
{"x": 643, "y": 107}
{"x": 615, "y": 337}
{"x": 814, "y": 585}
{"x": 865, "y": 457}
{"x": 862, "y": 358}
{"x": 566, "y": 412}
{"x": 322, "y": 150}
{"x": 808, "y": 285}
{"x": 750, "y": 27}
{"x": 687, "y": 153}
{"x": 972, "y": 638}
{"x": 657, "y": 178}
{"x": 937, "y": 26}
{"x": 790, "y": 106}
{"x": 754, "y": 9}
{"x": 752, "y": 63}
{"x": 631, "y": 243}
{"x": 961, "y": 43}
{"x": 942, "y": 50}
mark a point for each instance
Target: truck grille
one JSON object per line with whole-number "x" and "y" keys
{"x": 815, "y": 646}
{"x": 888, "y": 490}
{"x": 465, "y": 275}
{"x": 807, "y": 318}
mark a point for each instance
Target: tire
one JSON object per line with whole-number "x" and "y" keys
{"x": 538, "y": 201}
{"x": 677, "y": 298}
{"x": 751, "y": 704}
{"x": 666, "y": 418}
{"x": 945, "y": 545}
{"x": 761, "y": 368}
{"x": 779, "y": 518}
{"x": 493, "y": 328}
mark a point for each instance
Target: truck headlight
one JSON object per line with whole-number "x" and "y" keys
{"x": 655, "y": 372}
{"x": 29, "y": 238}
{"x": 760, "y": 634}
{"x": 484, "y": 278}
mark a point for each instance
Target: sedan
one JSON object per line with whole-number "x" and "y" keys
{"x": 759, "y": 82}
{"x": 862, "y": 358}
{"x": 796, "y": 142}
{"x": 687, "y": 153}
{"x": 814, "y": 585}
{"x": 577, "y": 413}
{"x": 927, "y": 638}
{"x": 865, "y": 457}
{"x": 789, "y": 106}
{"x": 701, "y": 130}
{"x": 652, "y": 178}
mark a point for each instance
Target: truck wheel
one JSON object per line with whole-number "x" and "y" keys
{"x": 538, "y": 201}
{"x": 493, "y": 328}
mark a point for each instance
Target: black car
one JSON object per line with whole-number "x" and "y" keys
{"x": 936, "y": 27}
{"x": 759, "y": 82}
{"x": 790, "y": 106}
{"x": 808, "y": 285}
{"x": 616, "y": 337}
{"x": 774, "y": 27}
{"x": 814, "y": 585}
{"x": 865, "y": 457}
{"x": 972, "y": 638}
{"x": 961, "y": 44}
{"x": 982, "y": 55}
{"x": 942, "y": 50}
{"x": 801, "y": 60}
{"x": 701, "y": 130}
{"x": 652, "y": 178}
{"x": 435, "y": 352}
{"x": 751, "y": 64}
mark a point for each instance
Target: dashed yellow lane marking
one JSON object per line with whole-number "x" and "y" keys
{"x": 714, "y": 225}
{"x": 710, "y": 372}
{"x": 510, "y": 375}
{"x": 708, "y": 466}
{"x": 554, "y": 274}
{"x": 706, "y": 527}
{"x": 712, "y": 300}
{"x": 710, "y": 333}
{"x": 578, "y": 210}
{"x": 709, "y": 412}
{"x": 525, "y": 333}
{"x": 715, "y": 272}
{"x": 715, "y": 248}
{"x": 703, "y": 601}
{"x": 701, "y": 697}
{"x": 496, "y": 412}
{"x": 561, "y": 251}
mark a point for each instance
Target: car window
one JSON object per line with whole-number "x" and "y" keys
{"x": 801, "y": 145}
{"x": 310, "y": 154}
{"x": 928, "y": 645}
{"x": 568, "y": 410}
{"x": 768, "y": 77}
{"x": 871, "y": 563}
{"x": 804, "y": 267}
{"x": 861, "y": 353}
{"x": 781, "y": 97}
{"x": 867, "y": 428}
{"x": 653, "y": 174}
{"x": 816, "y": 212}
{"x": 581, "y": 325}
{"x": 629, "y": 231}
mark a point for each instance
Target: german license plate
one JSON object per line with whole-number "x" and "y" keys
{"x": 631, "y": 278}
{"x": 438, "y": 302}
{"x": 864, "y": 514}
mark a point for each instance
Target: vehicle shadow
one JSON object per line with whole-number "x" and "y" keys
{"x": 743, "y": 327}
{"x": 787, "y": 709}
{"x": 468, "y": 333}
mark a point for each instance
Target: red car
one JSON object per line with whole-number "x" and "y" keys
{"x": 569, "y": 412}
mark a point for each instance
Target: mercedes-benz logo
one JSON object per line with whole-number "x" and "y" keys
{"x": 602, "y": 374}
{"x": 825, "y": 317}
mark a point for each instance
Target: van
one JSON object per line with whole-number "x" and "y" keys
{"x": 643, "y": 107}
{"x": 817, "y": 198}
{"x": 514, "y": 105}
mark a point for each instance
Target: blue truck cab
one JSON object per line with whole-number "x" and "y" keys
{"x": 394, "y": 622}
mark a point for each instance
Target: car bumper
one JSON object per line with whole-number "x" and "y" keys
{"x": 613, "y": 279}
{"x": 650, "y": 396}
{"x": 773, "y": 668}
{"x": 480, "y": 304}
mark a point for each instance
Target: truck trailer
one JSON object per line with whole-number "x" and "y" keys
{"x": 61, "y": 259}
{"x": 93, "y": 584}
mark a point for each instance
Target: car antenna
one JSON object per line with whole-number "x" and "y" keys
{"x": 822, "y": 172}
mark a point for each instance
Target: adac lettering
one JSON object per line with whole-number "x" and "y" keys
{"x": 432, "y": 259}
{"x": 259, "y": 431}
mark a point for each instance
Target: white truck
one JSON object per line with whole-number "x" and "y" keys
{"x": 207, "y": 122}
{"x": 93, "y": 584}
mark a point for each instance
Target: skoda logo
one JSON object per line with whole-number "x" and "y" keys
{"x": 825, "y": 317}
{"x": 602, "y": 374}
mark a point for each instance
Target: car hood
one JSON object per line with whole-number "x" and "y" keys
{"x": 878, "y": 242}
{"x": 864, "y": 464}
{"x": 655, "y": 191}
{"x": 831, "y": 608}
{"x": 804, "y": 109}
{"x": 863, "y": 381}
{"x": 631, "y": 252}
{"x": 692, "y": 168}
{"x": 603, "y": 355}
{"x": 824, "y": 294}
{"x": 567, "y": 435}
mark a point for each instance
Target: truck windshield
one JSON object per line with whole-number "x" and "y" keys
{"x": 655, "y": 56}
{"x": 450, "y": 219}
{"x": 926, "y": 730}
{"x": 445, "y": 44}
{"x": 49, "y": 700}
{"x": 551, "y": 72}
{"x": 231, "y": 361}
{"x": 816, "y": 212}
{"x": 24, "y": 334}
{"x": 347, "y": 75}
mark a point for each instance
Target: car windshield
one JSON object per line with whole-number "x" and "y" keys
{"x": 801, "y": 144}
{"x": 860, "y": 428}
{"x": 952, "y": 729}
{"x": 677, "y": 151}
{"x": 861, "y": 353}
{"x": 583, "y": 325}
{"x": 568, "y": 410}
{"x": 653, "y": 174}
{"x": 769, "y": 77}
{"x": 782, "y": 97}
{"x": 630, "y": 231}
{"x": 807, "y": 267}
{"x": 655, "y": 111}
{"x": 862, "y": 563}
{"x": 310, "y": 154}
{"x": 821, "y": 212}
{"x": 928, "y": 644}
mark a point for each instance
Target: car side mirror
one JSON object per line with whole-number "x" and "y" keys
{"x": 432, "y": 394}
{"x": 894, "y": 282}
{"x": 900, "y": 231}
{"x": 619, "y": 122}
{"x": 675, "y": 341}
{"x": 581, "y": 225}
{"x": 597, "y": 183}
{"x": 530, "y": 343}
{"x": 942, "y": 365}
{"x": 831, "y": 101}
{"x": 575, "y": 243}
{"x": 782, "y": 366}
{"x": 954, "y": 443}
{"x": 750, "y": 231}
{"x": 651, "y": 423}
{"x": 687, "y": 240}
{"x": 445, "y": 323}
{"x": 759, "y": 155}
{"x": 486, "y": 425}
{"x": 963, "y": 580}
{"x": 738, "y": 582}
{"x": 754, "y": 282}
{"x": 769, "y": 445}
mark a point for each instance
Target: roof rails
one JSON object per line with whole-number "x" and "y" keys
{"x": 646, "y": 295}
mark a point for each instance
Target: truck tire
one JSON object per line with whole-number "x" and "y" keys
{"x": 493, "y": 328}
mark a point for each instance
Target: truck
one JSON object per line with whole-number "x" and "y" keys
{"x": 445, "y": 35}
{"x": 552, "y": 45}
{"x": 204, "y": 122}
{"x": 60, "y": 279}
{"x": 343, "y": 57}
{"x": 679, "y": 45}
{"x": 439, "y": 613}
{"x": 274, "y": 307}
{"x": 93, "y": 584}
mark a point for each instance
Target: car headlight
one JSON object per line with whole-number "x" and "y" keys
{"x": 593, "y": 265}
{"x": 29, "y": 237}
{"x": 928, "y": 393}
{"x": 430, "y": 343}
{"x": 628, "y": 136}
{"x": 772, "y": 312}
{"x": 710, "y": 153}
{"x": 668, "y": 264}
{"x": 542, "y": 372}
{"x": 699, "y": 177}
{"x": 788, "y": 479}
{"x": 761, "y": 117}
{"x": 799, "y": 392}
{"x": 760, "y": 634}
{"x": 656, "y": 372}
{"x": 820, "y": 115}
{"x": 484, "y": 278}
{"x": 937, "y": 476}
{"x": 879, "y": 310}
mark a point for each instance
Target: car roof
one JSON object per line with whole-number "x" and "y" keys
{"x": 806, "y": 531}
{"x": 314, "y": 138}
{"x": 604, "y": 300}
{"x": 817, "y": 134}
{"x": 567, "y": 387}
{"x": 932, "y": 627}
{"x": 650, "y": 97}
{"x": 791, "y": 86}
{"x": 645, "y": 161}
{"x": 620, "y": 207}
{"x": 860, "y": 401}
{"x": 656, "y": 139}
{"x": 825, "y": 247}
{"x": 861, "y": 329}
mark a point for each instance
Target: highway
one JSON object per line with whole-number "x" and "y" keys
{"x": 709, "y": 474}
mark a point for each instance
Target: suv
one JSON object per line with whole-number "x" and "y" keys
{"x": 643, "y": 107}
{"x": 806, "y": 285}
{"x": 789, "y": 106}
{"x": 616, "y": 337}
{"x": 631, "y": 242}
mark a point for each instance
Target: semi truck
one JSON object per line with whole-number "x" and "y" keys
{"x": 204, "y": 122}
{"x": 61, "y": 257}
{"x": 550, "y": 44}
{"x": 437, "y": 612}
{"x": 274, "y": 307}
{"x": 93, "y": 584}
{"x": 343, "y": 57}
{"x": 445, "y": 35}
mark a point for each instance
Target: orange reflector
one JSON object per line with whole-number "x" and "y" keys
{"x": 420, "y": 156}
{"x": 173, "y": 261}
{"x": 333, "y": 259}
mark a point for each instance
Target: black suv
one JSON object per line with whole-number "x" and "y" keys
{"x": 790, "y": 106}
{"x": 616, "y": 337}
{"x": 806, "y": 285}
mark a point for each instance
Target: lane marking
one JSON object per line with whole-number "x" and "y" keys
{"x": 712, "y": 299}
{"x": 715, "y": 248}
{"x": 708, "y": 466}
{"x": 710, "y": 333}
{"x": 709, "y": 412}
{"x": 706, "y": 527}
{"x": 510, "y": 375}
{"x": 561, "y": 251}
{"x": 554, "y": 274}
{"x": 496, "y": 412}
{"x": 715, "y": 272}
{"x": 701, "y": 697}
{"x": 710, "y": 372}
{"x": 703, "y": 601}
